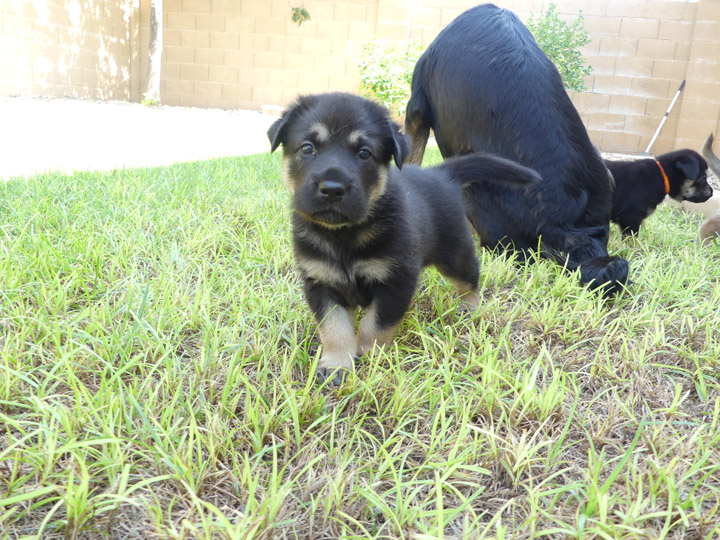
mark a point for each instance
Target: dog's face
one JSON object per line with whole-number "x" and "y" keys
{"x": 337, "y": 149}
{"x": 692, "y": 168}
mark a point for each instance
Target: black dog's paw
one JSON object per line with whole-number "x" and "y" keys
{"x": 608, "y": 275}
{"x": 335, "y": 376}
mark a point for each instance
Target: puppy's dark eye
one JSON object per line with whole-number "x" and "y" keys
{"x": 364, "y": 153}
{"x": 307, "y": 149}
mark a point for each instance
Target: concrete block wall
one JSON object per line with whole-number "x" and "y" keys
{"x": 248, "y": 54}
{"x": 74, "y": 48}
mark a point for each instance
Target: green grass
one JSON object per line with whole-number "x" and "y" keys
{"x": 155, "y": 350}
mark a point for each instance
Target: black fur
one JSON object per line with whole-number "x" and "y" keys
{"x": 484, "y": 85}
{"x": 364, "y": 245}
{"x": 640, "y": 187}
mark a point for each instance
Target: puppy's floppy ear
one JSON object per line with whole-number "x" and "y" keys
{"x": 402, "y": 147}
{"x": 276, "y": 132}
{"x": 689, "y": 166}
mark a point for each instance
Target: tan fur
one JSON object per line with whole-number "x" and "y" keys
{"x": 469, "y": 297}
{"x": 379, "y": 187}
{"x": 322, "y": 271}
{"x": 337, "y": 335}
{"x": 321, "y": 132}
{"x": 709, "y": 230}
{"x": 355, "y": 136}
{"x": 370, "y": 336}
{"x": 377, "y": 270}
{"x": 286, "y": 175}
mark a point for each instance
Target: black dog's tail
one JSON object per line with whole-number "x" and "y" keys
{"x": 481, "y": 167}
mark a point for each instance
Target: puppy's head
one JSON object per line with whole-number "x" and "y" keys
{"x": 690, "y": 169}
{"x": 337, "y": 149}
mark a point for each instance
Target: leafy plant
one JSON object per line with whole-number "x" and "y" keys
{"x": 386, "y": 74}
{"x": 561, "y": 42}
{"x": 299, "y": 15}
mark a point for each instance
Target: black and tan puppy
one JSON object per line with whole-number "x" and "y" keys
{"x": 641, "y": 185}
{"x": 363, "y": 229}
{"x": 484, "y": 85}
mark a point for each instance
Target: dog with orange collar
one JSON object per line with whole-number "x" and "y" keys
{"x": 642, "y": 184}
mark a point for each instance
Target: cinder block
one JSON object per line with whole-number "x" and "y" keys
{"x": 644, "y": 126}
{"x": 597, "y": 137}
{"x": 348, "y": 12}
{"x": 227, "y": 7}
{"x": 617, "y": 46}
{"x": 707, "y": 30}
{"x": 239, "y": 24}
{"x": 227, "y": 104}
{"x": 238, "y": 58}
{"x": 708, "y": 10}
{"x": 330, "y": 65}
{"x": 210, "y": 22}
{"x": 315, "y": 46}
{"x": 628, "y": 105}
{"x": 702, "y": 90}
{"x": 223, "y": 74}
{"x": 210, "y": 57}
{"x": 208, "y": 89}
{"x": 695, "y": 129}
{"x": 602, "y": 65}
{"x": 360, "y": 30}
{"x": 313, "y": 81}
{"x": 392, "y": 31}
{"x": 272, "y": 26}
{"x": 253, "y": 77}
{"x": 223, "y": 40}
{"x": 171, "y": 38}
{"x": 655, "y": 48}
{"x": 634, "y": 67}
{"x": 626, "y": 143}
{"x": 168, "y": 6}
{"x": 682, "y": 50}
{"x": 197, "y": 6}
{"x": 333, "y": 29}
{"x": 598, "y": 25}
{"x": 389, "y": 13}
{"x": 676, "y": 30}
{"x": 178, "y": 87}
{"x": 184, "y": 55}
{"x": 611, "y": 84}
{"x": 590, "y": 102}
{"x": 655, "y": 88}
{"x": 700, "y": 110}
{"x": 624, "y": 8}
{"x": 669, "y": 69}
{"x": 706, "y": 51}
{"x": 639, "y": 28}
{"x": 193, "y": 72}
{"x": 180, "y": 21}
{"x": 704, "y": 71}
{"x": 344, "y": 82}
{"x": 194, "y": 101}
{"x": 448, "y": 15}
{"x": 266, "y": 95}
{"x": 194, "y": 38}
{"x": 606, "y": 121}
{"x": 300, "y": 62}
{"x": 170, "y": 70}
{"x": 237, "y": 92}
{"x": 668, "y": 10}
{"x": 268, "y": 60}
{"x": 261, "y": 9}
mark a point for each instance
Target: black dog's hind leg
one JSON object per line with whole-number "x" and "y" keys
{"x": 464, "y": 272}
{"x": 586, "y": 249}
{"x": 417, "y": 127}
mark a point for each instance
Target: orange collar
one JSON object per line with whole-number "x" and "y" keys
{"x": 665, "y": 178}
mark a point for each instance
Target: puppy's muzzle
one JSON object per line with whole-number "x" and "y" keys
{"x": 331, "y": 190}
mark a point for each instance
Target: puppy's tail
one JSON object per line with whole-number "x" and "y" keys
{"x": 481, "y": 167}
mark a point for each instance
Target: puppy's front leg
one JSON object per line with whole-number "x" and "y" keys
{"x": 378, "y": 326}
{"x": 337, "y": 332}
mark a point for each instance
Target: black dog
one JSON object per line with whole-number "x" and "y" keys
{"x": 363, "y": 229}
{"x": 485, "y": 85}
{"x": 641, "y": 184}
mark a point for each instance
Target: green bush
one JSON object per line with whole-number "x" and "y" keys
{"x": 561, "y": 42}
{"x": 386, "y": 74}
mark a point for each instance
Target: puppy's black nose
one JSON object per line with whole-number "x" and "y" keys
{"x": 331, "y": 191}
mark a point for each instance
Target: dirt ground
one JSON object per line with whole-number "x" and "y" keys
{"x": 42, "y": 134}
